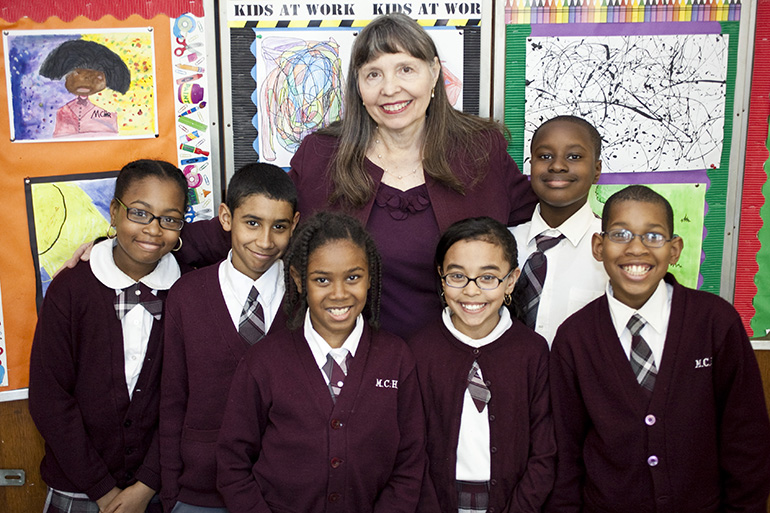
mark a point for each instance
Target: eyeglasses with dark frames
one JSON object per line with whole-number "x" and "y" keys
{"x": 484, "y": 281}
{"x": 140, "y": 216}
{"x": 649, "y": 239}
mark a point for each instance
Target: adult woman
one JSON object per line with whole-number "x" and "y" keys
{"x": 407, "y": 164}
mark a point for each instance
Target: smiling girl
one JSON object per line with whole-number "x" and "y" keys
{"x": 327, "y": 415}
{"x": 484, "y": 380}
{"x": 96, "y": 356}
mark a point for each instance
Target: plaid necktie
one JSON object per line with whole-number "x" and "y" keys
{"x": 138, "y": 294}
{"x": 478, "y": 389}
{"x": 533, "y": 277}
{"x": 251, "y": 325}
{"x": 642, "y": 361}
{"x": 336, "y": 373}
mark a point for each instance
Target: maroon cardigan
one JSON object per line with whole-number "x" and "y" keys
{"x": 286, "y": 446}
{"x": 202, "y": 350}
{"x": 504, "y": 193}
{"x": 701, "y": 444}
{"x": 522, "y": 444}
{"x": 96, "y": 437}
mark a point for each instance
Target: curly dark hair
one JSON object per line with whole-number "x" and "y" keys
{"x": 322, "y": 228}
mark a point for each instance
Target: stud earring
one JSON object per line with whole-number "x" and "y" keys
{"x": 432, "y": 92}
{"x": 114, "y": 232}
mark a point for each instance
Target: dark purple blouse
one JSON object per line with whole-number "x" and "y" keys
{"x": 399, "y": 220}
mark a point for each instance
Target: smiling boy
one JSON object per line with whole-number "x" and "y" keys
{"x": 212, "y": 318}
{"x": 565, "y": 162}
{"x": 657, "y": 398}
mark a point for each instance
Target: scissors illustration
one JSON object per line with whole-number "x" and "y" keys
{"x": 180, "y": 50}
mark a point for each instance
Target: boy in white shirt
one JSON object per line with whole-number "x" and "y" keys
{"x": 565, "y": 156}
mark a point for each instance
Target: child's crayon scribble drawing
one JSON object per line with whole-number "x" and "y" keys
{"x": 65, "y": 214}
{"x": 658, "y": 101}
{"x": 111, "y": 75}
{"x": 301, "y": 92}
{"x": 87, "y": 68}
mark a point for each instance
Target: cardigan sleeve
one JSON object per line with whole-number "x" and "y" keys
{"x": 743, "y": 425}
{"x": 571, "y": 421}
{"x": 52, "y": 404}
{"x": 149, "y": 472}
{"x": 531, "y": 491}
{"x": 522, "y": 198}
{"x": 402, "y": 491}
{"x": 173, "y": 403}
{"x": 203, "y": 243}
{"x": 240, "y": 443}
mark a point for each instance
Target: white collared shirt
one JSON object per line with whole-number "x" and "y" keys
{"x": 656, "y": 312}
{"x": 236, "y": 287}
{"x": 320, "y": 348}
{"x": 137, "y": 323}
{"x": 573, "y": 278}
{"x": 474, "y": 462}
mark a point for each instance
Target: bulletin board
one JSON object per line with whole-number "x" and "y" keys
{"x": 658, "y": 80}
{"x": 51, "y": 177}
{"x": 287, "y": 65}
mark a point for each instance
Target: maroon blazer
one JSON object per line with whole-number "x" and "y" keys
{"x": 701, "y": 443}
{"x": 202, "y": 351}
{"x": 96, "y": 437}
{"x": 285, "y": 446}
{"x": 504, "y": 193}
{"x": 522, "y": 444}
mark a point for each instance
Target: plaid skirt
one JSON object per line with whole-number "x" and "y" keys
{"x": 472, "y": 496}
{"x": 61, "y": 502}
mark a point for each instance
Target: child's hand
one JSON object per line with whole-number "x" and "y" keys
{"x": 134, "y": 499}
{"x": 82, "y": 253}
{"x": 107, "y": 498}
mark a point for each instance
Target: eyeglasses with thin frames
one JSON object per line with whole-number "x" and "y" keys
{"x": 484, "y": 282}
{"x": 140, "y": 216}
{"x": 649, "y": 239}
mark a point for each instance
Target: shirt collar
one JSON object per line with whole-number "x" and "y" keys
{"x": 103, "y": 266}
{"x": 502, "y": 326}
{"x": 269, "y": 284}
{"x": 653, "y": 311}
{"x": 320, "y": 348}
{"x": 573, "y": 229}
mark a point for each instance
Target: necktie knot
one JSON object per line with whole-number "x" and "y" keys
{"x": 138, "y": 294}
{"x": 545, "y": 242}
{"x": 336, "y": 372}
{"x": 635, "y": 324}
{"x": 251, "y": 325}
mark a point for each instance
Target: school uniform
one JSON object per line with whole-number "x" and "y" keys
{"x": 700, "y": 442}
{"x": 202, "y": 350}
{"x": 287, "y": 446}
{"x": 574, "y": 278}
{"x": 511, "y": 444}
{"x": 94, "y": 379}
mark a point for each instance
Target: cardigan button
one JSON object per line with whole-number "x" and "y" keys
{"x": 493, "y": 449}
{"x": 493, "y": 482}
{"x": 491, "y": 418}
{"x": 650, "y": 420}
{"x": 336, "y": 423}
{"x": 336, "y": 462}
{"x": 127, "y": 423}
{"x": 652, "y": 460}
{"x": 334, "y": 497}
{"x": 476, "y": 350}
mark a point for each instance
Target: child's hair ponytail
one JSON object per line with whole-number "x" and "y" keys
{"x": 322, "y": 228}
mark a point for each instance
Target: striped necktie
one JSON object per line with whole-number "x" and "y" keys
{"x": 533, "y": 277}
{"x": 251, "y": 325}
{"x": 478, "y": 389}
{"x": 642, "y": 360}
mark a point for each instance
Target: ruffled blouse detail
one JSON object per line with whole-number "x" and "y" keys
{"x": 402, "y": 204}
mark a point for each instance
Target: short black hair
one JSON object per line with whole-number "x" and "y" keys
{"x": 80, "y": 53}
{"x": 320, "y": 229}
{"x": 260, "y": 178}
{"x": 593, "y": 133}
{"x": 141, "y": 169}
{"x": 638, "y": 193}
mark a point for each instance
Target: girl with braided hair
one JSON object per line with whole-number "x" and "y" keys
{"x": 327, "y": 412}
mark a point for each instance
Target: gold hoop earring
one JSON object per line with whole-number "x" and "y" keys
{"x": 179, "y": 245}
{"x": 507, "y": 300}
{"x": 114, "y": 233}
